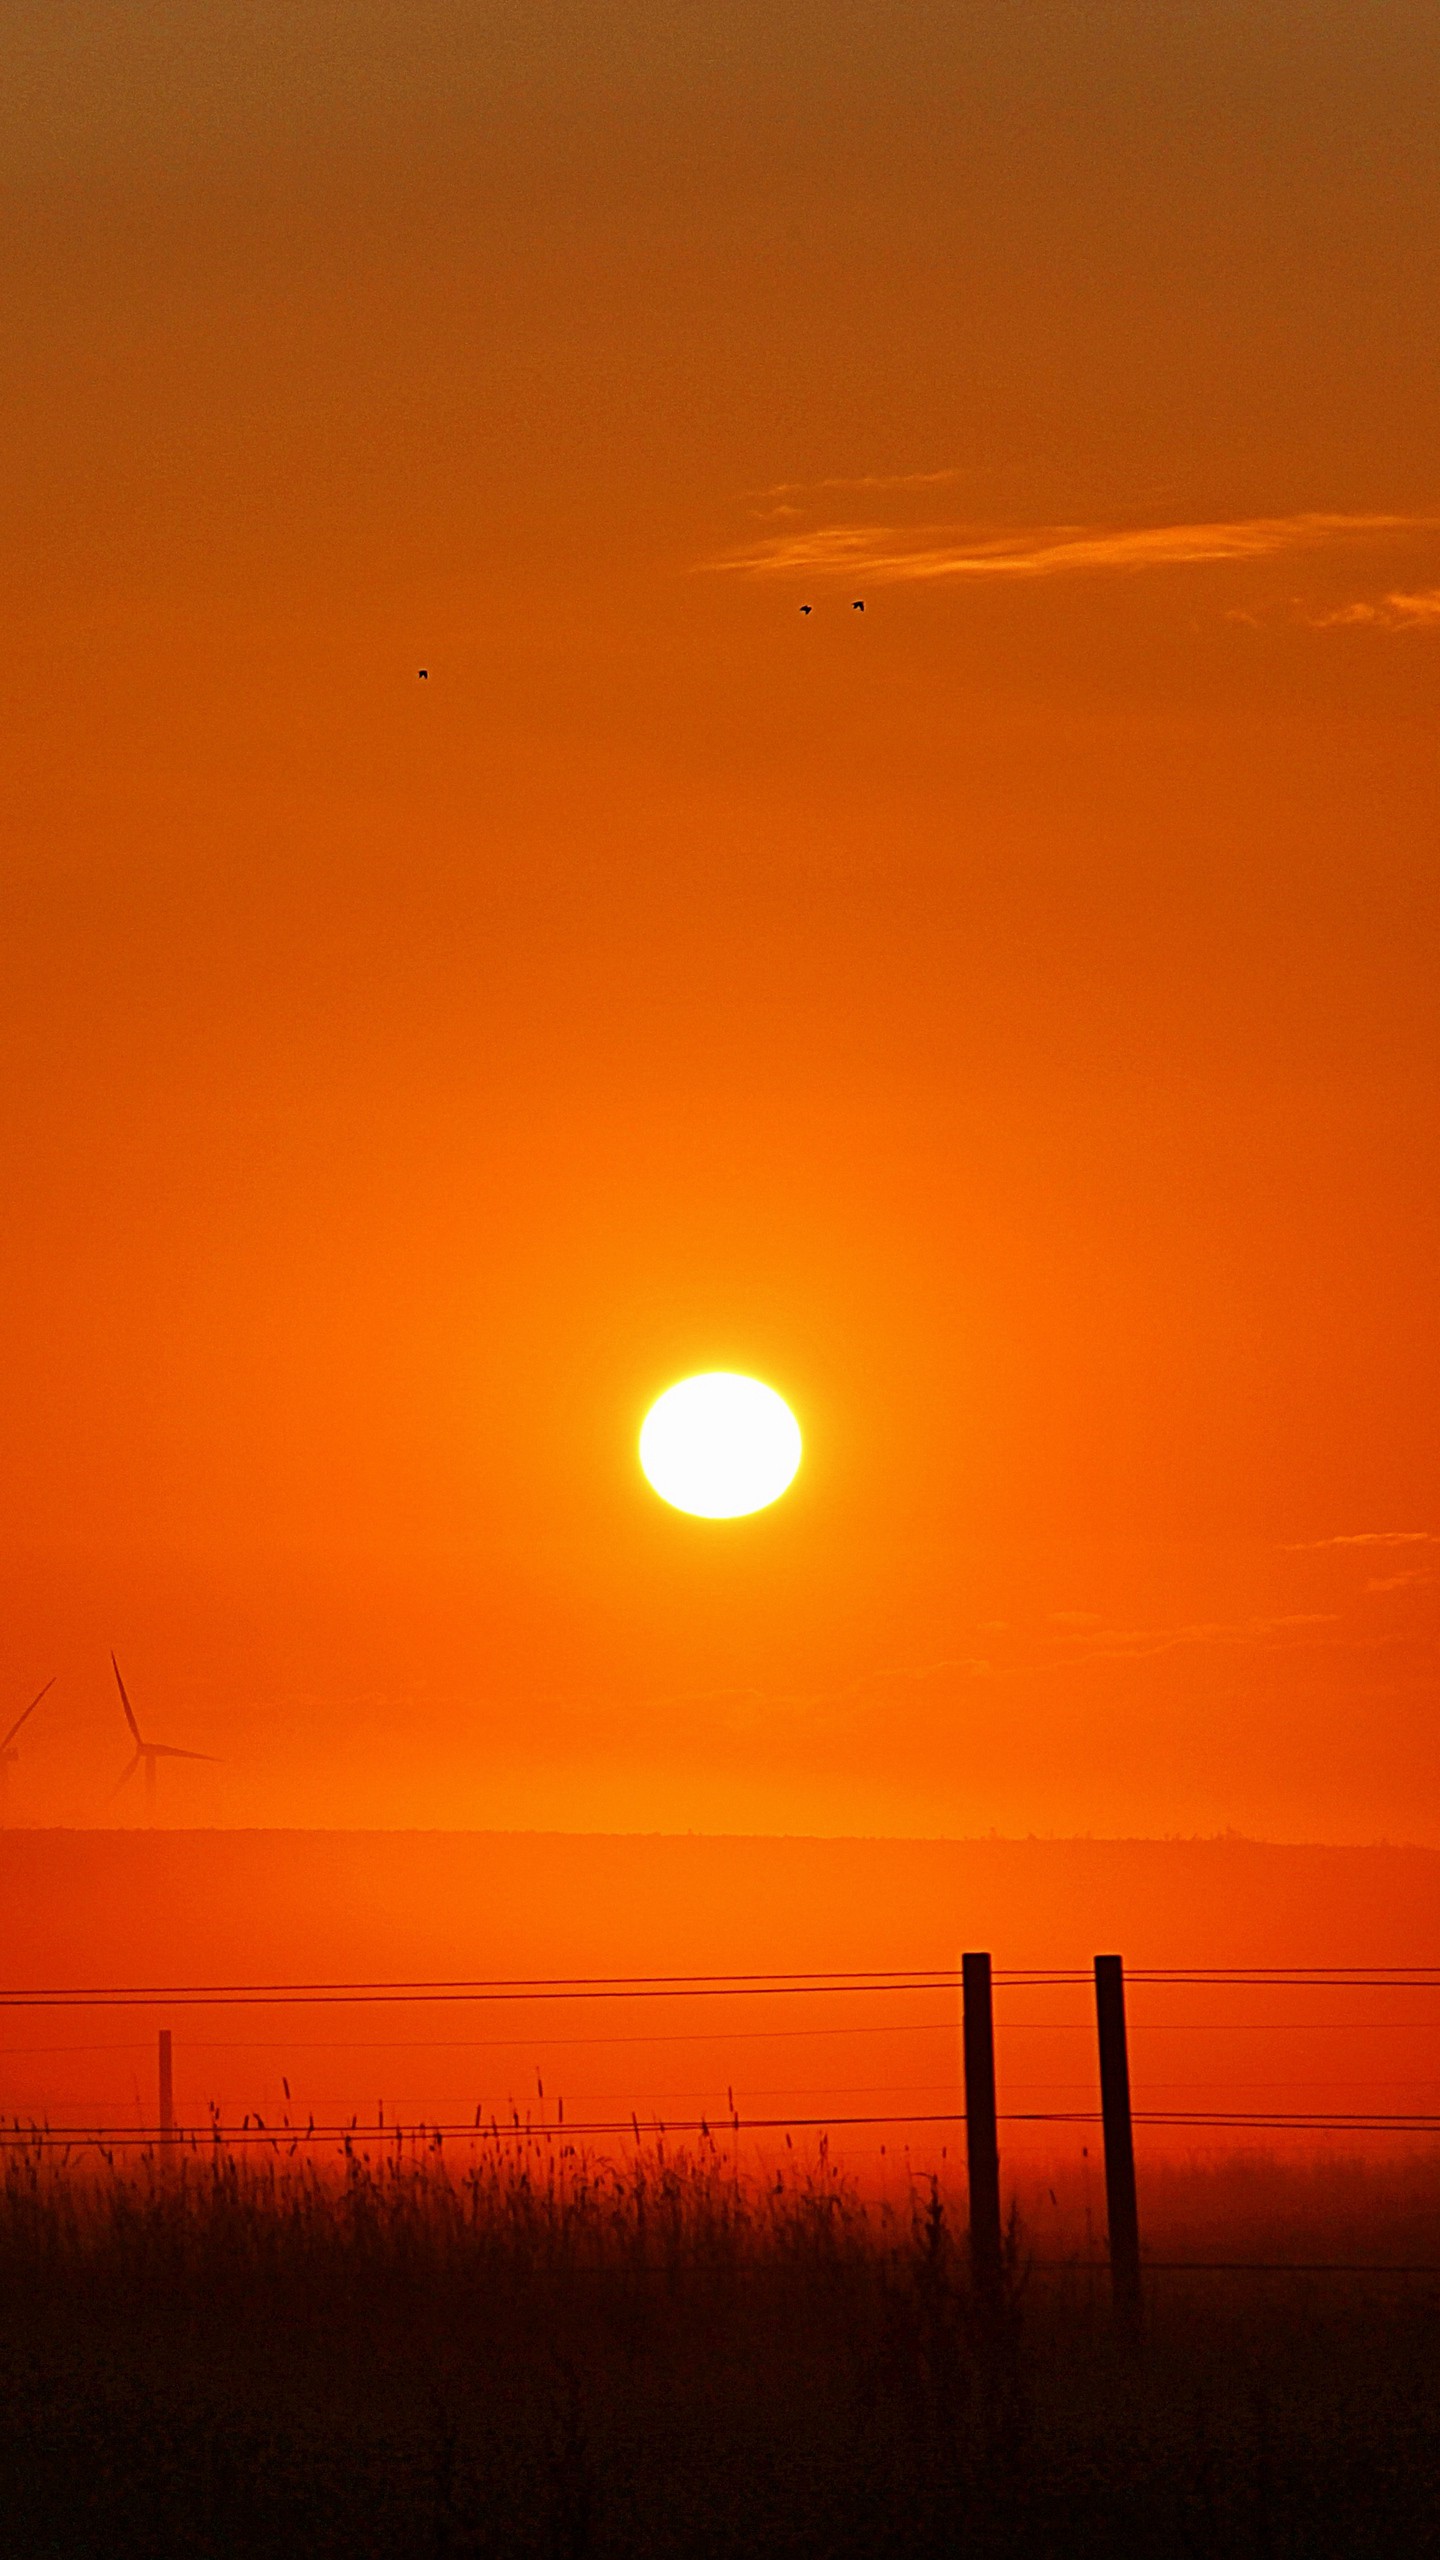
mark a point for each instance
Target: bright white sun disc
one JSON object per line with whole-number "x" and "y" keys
{"x": 720, "y": 1445}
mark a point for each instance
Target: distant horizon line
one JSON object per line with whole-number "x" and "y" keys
{"x": 1226, "y": 1839}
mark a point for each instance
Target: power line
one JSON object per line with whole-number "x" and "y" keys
{"x": 621, "y": 1987}
{"x": 885, "y": 1980}
{"x": 722, "y": 2121}
{"x": 857, "y": 1977}
{"x": 548, "y": 2042}
{"x": 1246, "y": 2267}
{"x": 544, "y": 2042}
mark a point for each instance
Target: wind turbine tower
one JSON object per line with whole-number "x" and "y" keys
{"x": 146, "y": 1753}
{"x": 8, "y": 1753}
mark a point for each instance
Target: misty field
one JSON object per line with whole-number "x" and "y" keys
{"x": 525, "y": 2354}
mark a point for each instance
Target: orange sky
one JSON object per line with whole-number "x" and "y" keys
{"x": 1004, "y": 1020}
{"x": 881, "y": 2067}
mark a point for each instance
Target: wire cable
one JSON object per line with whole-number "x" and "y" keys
{"x": 881, "y": 1981}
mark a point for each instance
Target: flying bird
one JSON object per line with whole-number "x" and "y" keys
{"x": 807, "y": 608}
{"x": 859, "y": 605}
{"x": 146, "y": 1753}
{"x": 8, "y": 1753}
{"x": 424, "y": 674}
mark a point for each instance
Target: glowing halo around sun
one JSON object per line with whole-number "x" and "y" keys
{"x": 720, "y": 1445}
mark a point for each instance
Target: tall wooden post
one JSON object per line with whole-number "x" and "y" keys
{"x": 982, "y": 2143}
{"x": 167, "y": 2088}
{"x": 1121, "y": 2205}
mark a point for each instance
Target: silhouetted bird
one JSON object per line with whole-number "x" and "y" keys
{"x": 805, "y": 608}
{"x": 424, "y": 673}
{"x": 859, "y": 605}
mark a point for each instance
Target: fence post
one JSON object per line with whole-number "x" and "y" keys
{"x": 167, "y": 2088}
{"x": 982, "y": 2145}
{"x": 1121, "y": 2205}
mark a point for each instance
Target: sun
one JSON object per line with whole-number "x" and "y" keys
{"x": 720, "y": 1445}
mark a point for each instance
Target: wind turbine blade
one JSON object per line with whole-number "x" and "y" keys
{"x": 124, "y": 1701}
{"x": 168, "y": 1751}
{"x": 30, "y": 1710}
{"x": 126, "y": 1774}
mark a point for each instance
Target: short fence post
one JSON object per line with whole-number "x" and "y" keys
{"x": 982, "y": 2144}
{"x": 1121, "y": 2205}
{"x": 167, "y": 2088}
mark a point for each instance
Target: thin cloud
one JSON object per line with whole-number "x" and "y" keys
{"x": 1361, "y": 1538}
{"x": 894, "y": 554}
{"x": 742, "y": 1704}
{"x": 1397, "y": 612}
{"x": 1132, "y": 1644}
{"x": 866, "y": 480}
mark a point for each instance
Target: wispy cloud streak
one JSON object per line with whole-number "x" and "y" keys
{"x": 1362, "y": 1538}
{"x": 865, "y": 480}
{"x": 893, "y": 553}
{"x": 1397, "y": 612}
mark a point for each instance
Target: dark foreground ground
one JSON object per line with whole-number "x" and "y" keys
{"x": 409, "y": 2358}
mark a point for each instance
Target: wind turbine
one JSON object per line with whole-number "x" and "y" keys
{"x": 146, "y": 1753}
{"x": 8, "y": 1753}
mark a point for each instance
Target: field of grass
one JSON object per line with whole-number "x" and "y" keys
{"x": 525, "y": 2354}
